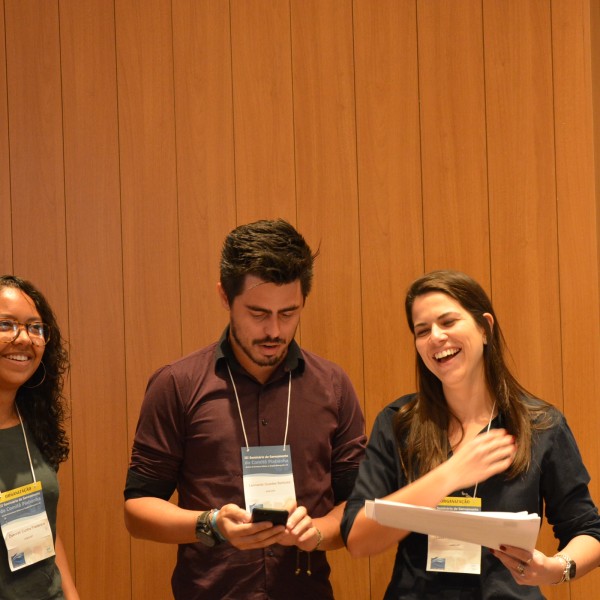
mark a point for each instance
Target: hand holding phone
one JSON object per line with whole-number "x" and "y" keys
{"x": 273, "y": 515}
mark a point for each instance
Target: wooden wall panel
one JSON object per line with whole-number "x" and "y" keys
{"x": 96, "y": 318}
{"x": 35, "y": 126}
{"x": 390, "y": 208}
{"x": 325, "y": 133}
{"x": 5, "y": 201}
{"x": 524, "y": 249}
{"x": 36, "y": 176}
{"x": 591, "y": 14}
{"x": 521, "y": 168}
{"x": 150, "y": 234}
{"x": 205, "y": 162}
{"x": 262, "y": 108}
{"x": 326, "y": 184}
{"x": 389, "y": 176}
{"x": 577, "y": 215}
{"x": 478, "y": 149}
{"x": 453, "y": 143}
{"x": 577, "y": 237}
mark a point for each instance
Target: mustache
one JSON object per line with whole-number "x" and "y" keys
{"x": 269, "y": 340}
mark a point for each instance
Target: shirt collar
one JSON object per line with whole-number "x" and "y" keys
{"x": 293, "y": 361}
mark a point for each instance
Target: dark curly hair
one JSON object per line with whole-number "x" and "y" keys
{"x": 40, "y": 400}
{"x": 271, "y": 250}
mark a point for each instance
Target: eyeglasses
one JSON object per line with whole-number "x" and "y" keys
{"x": 39, "y": 333}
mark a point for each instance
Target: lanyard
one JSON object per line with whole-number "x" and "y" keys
{"x": 287, "y": 418}
{"x": 487, "y": 430}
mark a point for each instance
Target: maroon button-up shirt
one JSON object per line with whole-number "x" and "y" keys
{"x": 189, "y": 437}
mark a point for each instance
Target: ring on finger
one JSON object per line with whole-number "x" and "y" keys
{"x": 521, "y": 569}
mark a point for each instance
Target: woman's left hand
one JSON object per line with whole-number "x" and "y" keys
{"x": 530, "y": 568}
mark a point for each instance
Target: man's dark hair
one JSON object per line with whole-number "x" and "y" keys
{"x": 271, "y": 250}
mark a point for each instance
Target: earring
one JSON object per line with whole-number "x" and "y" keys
{"x": 485, "y": 340}
{"x": 31, "y": 387}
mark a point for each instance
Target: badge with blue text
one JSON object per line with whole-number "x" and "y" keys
{"x": 452, "y": 556}
{"x": 25, "y": 526}
{"x": 268, "y": 477}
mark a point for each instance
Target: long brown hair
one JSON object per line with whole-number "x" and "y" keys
{"x": 422, "y": 425}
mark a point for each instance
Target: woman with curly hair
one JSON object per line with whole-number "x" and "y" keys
{"x": 33, "y": 443}
{"x": 471, "y": 436}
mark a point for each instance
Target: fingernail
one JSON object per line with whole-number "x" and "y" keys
{"x": 503, "y": 548}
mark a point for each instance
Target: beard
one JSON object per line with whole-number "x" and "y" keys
{"x": 260, "y": 361}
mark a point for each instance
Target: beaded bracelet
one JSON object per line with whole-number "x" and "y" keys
{"x": 319, "y": 539}
{"x": 215, "y": 527}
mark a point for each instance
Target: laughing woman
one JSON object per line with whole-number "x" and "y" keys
{"x": 473, "y": 432}
{"x": 32, "y": 445}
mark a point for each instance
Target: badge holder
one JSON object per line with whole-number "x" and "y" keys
{"x": 267, "y": 470}
{"x": 24, "y": 522}
{"x": 452, "y": 556}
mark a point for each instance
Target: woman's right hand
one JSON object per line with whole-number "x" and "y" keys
{"x": 486, "y": 455}
{"x": 482, "y": 457}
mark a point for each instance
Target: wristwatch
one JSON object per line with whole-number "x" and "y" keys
{"x": 570, "y": 567}
{"x": 204, "y": 530}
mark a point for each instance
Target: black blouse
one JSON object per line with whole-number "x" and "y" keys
{"x": 556, "y": 483}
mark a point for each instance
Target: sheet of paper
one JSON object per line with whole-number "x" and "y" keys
{"x": 490, "y": 529}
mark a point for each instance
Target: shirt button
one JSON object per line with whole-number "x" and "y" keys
{"x": 270, "y": 553}
{"x": 264, "y": 422}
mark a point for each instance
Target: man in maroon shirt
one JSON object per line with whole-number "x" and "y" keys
{"x": 253, "y": 389}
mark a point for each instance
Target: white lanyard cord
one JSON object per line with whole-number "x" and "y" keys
{"x": 487, "y": 430}
{"x": 287, "y": 419}
{"x": 287, "y": 416}
{"x": 26, "y": 444}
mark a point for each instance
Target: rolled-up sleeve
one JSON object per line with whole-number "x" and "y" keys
{"x": 349, "y": 443}
{"x": 569, "y": 506}
{"x": 379, "y": 474}
{"x": 159, "y": 439}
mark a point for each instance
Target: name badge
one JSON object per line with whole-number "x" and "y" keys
{"x": 452, "y": 556}
{"x": 25, "y": 526}
{"x": 268, "y": 477}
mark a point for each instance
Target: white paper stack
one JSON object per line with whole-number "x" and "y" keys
{"x": 490, "y": 529}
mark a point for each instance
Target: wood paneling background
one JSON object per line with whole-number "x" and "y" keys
{"x": 399, "y": 135}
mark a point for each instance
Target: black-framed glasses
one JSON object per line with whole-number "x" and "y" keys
{"x": 39, "y": 333}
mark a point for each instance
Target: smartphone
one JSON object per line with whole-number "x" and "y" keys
{"x": 273, "y": 515}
